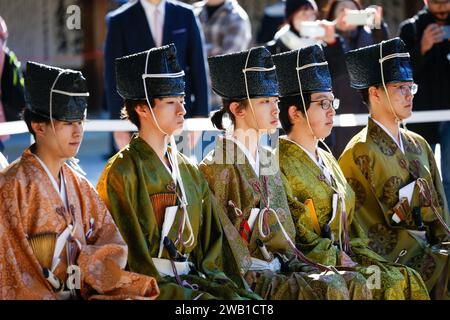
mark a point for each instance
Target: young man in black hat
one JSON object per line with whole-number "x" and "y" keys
{"x": 58, "y": 240}
{"x": 400, "y": 200}
{"x": 327, "y": 226}
{"x": 159, "y": 200}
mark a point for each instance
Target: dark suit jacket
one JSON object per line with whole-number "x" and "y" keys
{"x": 129, "y": 32}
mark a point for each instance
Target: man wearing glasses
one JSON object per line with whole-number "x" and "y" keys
{"x": 400, "y": 199}
{"x": 427, "y": 37}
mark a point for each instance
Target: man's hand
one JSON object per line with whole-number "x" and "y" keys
{"x": 121, "y": 138}
{"x": 330, "y": 32}
{"x": 433, "y": 34}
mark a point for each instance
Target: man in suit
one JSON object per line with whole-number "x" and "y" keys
{"x": 143, "y": 24}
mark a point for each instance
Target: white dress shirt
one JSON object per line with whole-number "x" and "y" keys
{"x": 149, "y": 9}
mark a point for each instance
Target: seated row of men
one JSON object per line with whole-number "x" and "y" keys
{"x": 249, "y": 222}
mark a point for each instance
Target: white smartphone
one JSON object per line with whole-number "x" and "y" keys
{"x": 312, "y": 29}
{"x": 361, "y": 17}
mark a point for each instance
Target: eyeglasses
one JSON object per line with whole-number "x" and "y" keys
{"x": 326, "y": 104}
{"x": 408, "y": 89}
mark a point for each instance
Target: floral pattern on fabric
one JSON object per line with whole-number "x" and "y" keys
{"x": 411, "y": 145}
{"x": 386, "y": 145}
{"x": 382, "y": 240}
{"x": 390, "y": 191}
{"x": 425, "y": 264}
{"x": 360, "y": 192}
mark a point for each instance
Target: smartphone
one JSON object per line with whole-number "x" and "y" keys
{"x": 361, "y": 17}
{"x": 312, "y": 29}
{"x": 446, "y": 32}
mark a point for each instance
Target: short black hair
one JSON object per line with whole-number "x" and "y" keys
{"x": 217, "y": 116}
{"x": 288, "y": 101}
{"x": 364, "y": 93}
{"x": 29, "y": 116}
{"x": 128, "y": 111}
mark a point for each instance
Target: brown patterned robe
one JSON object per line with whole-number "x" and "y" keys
{"x": 376, "y": 169}
{"x": 231, "y": 177}
{"x": 30, "y": 205}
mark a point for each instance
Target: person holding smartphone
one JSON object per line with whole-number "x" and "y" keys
{"x": 427, "y": 36}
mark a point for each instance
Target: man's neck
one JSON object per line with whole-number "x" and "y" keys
{"x": 213, "y": 3}
{"x": 388, "y": 121}
{"x": 249, "y": 138}
{"x": 155, "y": 139}
{"x": 304, "y": 139}
{"x": 53, "y": 163}
{"x": 154, "y": 2}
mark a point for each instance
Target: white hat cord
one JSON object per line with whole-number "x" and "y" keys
{"x": 173, "y": 157}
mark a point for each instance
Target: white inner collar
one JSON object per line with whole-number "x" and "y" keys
{"x": 254, "y": 163}
{"x": 399, "y": 143}
{"x": 61, "y": 189}
{"x": 319, "y": 163}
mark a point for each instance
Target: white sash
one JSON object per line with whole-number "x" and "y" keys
{"x": 164, "y": 267}
{"x": 261, "y": 265}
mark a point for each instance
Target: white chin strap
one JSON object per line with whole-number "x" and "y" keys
{"x": 381, "y": 61}
{"x": 173, "y": 152}
{"x": 253, "y": 69}
{"x": 73, "y": 161}
{"x": 298, "y": 69}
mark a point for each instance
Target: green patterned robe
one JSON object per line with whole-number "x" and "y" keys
{"x": 376, "y": 169}
{"x": 303, "y": 180}
{"x": 128, "y": 181}
{"x": 230, "y": 177}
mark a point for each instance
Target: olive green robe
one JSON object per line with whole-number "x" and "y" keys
{"x": 303, "y": 179}
{"x": 377, "y": 169}
{"x": 232, "y": 178}
{"x": 129, "y": 180}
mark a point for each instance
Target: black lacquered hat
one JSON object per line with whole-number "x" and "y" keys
{"x": 160, "y": 68}
{"x": 365, "y": 64}
{"x": 55, "y": 93}
{"x": 310, "y": 64}
{"x": 254, "y": 69}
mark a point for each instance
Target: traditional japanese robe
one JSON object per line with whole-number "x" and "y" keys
{"x": 30, "y": 205}
{"x": 376, "y": 168}
{"x": 231, "y": 177}
{"x": 127, "y": 184}
{"x": 304, "y": 179}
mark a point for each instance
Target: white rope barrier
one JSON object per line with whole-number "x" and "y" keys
{"x": 204, "y": 124}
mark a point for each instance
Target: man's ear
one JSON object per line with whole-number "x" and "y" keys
{"x": 142, "y": 110}
{"x": 39, "y": 128}
{"x": 237, "y": 110}
{"x": 294, "y": 116}
{"x": 374, "y": 94}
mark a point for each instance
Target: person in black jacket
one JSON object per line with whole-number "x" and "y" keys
{"x": 12, "y": 99}
{"x": 429, "y": 48}
{"x": 350, "y": 38}
{"x": 339, "y": 38}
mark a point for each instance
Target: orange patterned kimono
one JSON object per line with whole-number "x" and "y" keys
{"x": 30, "y": 205}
